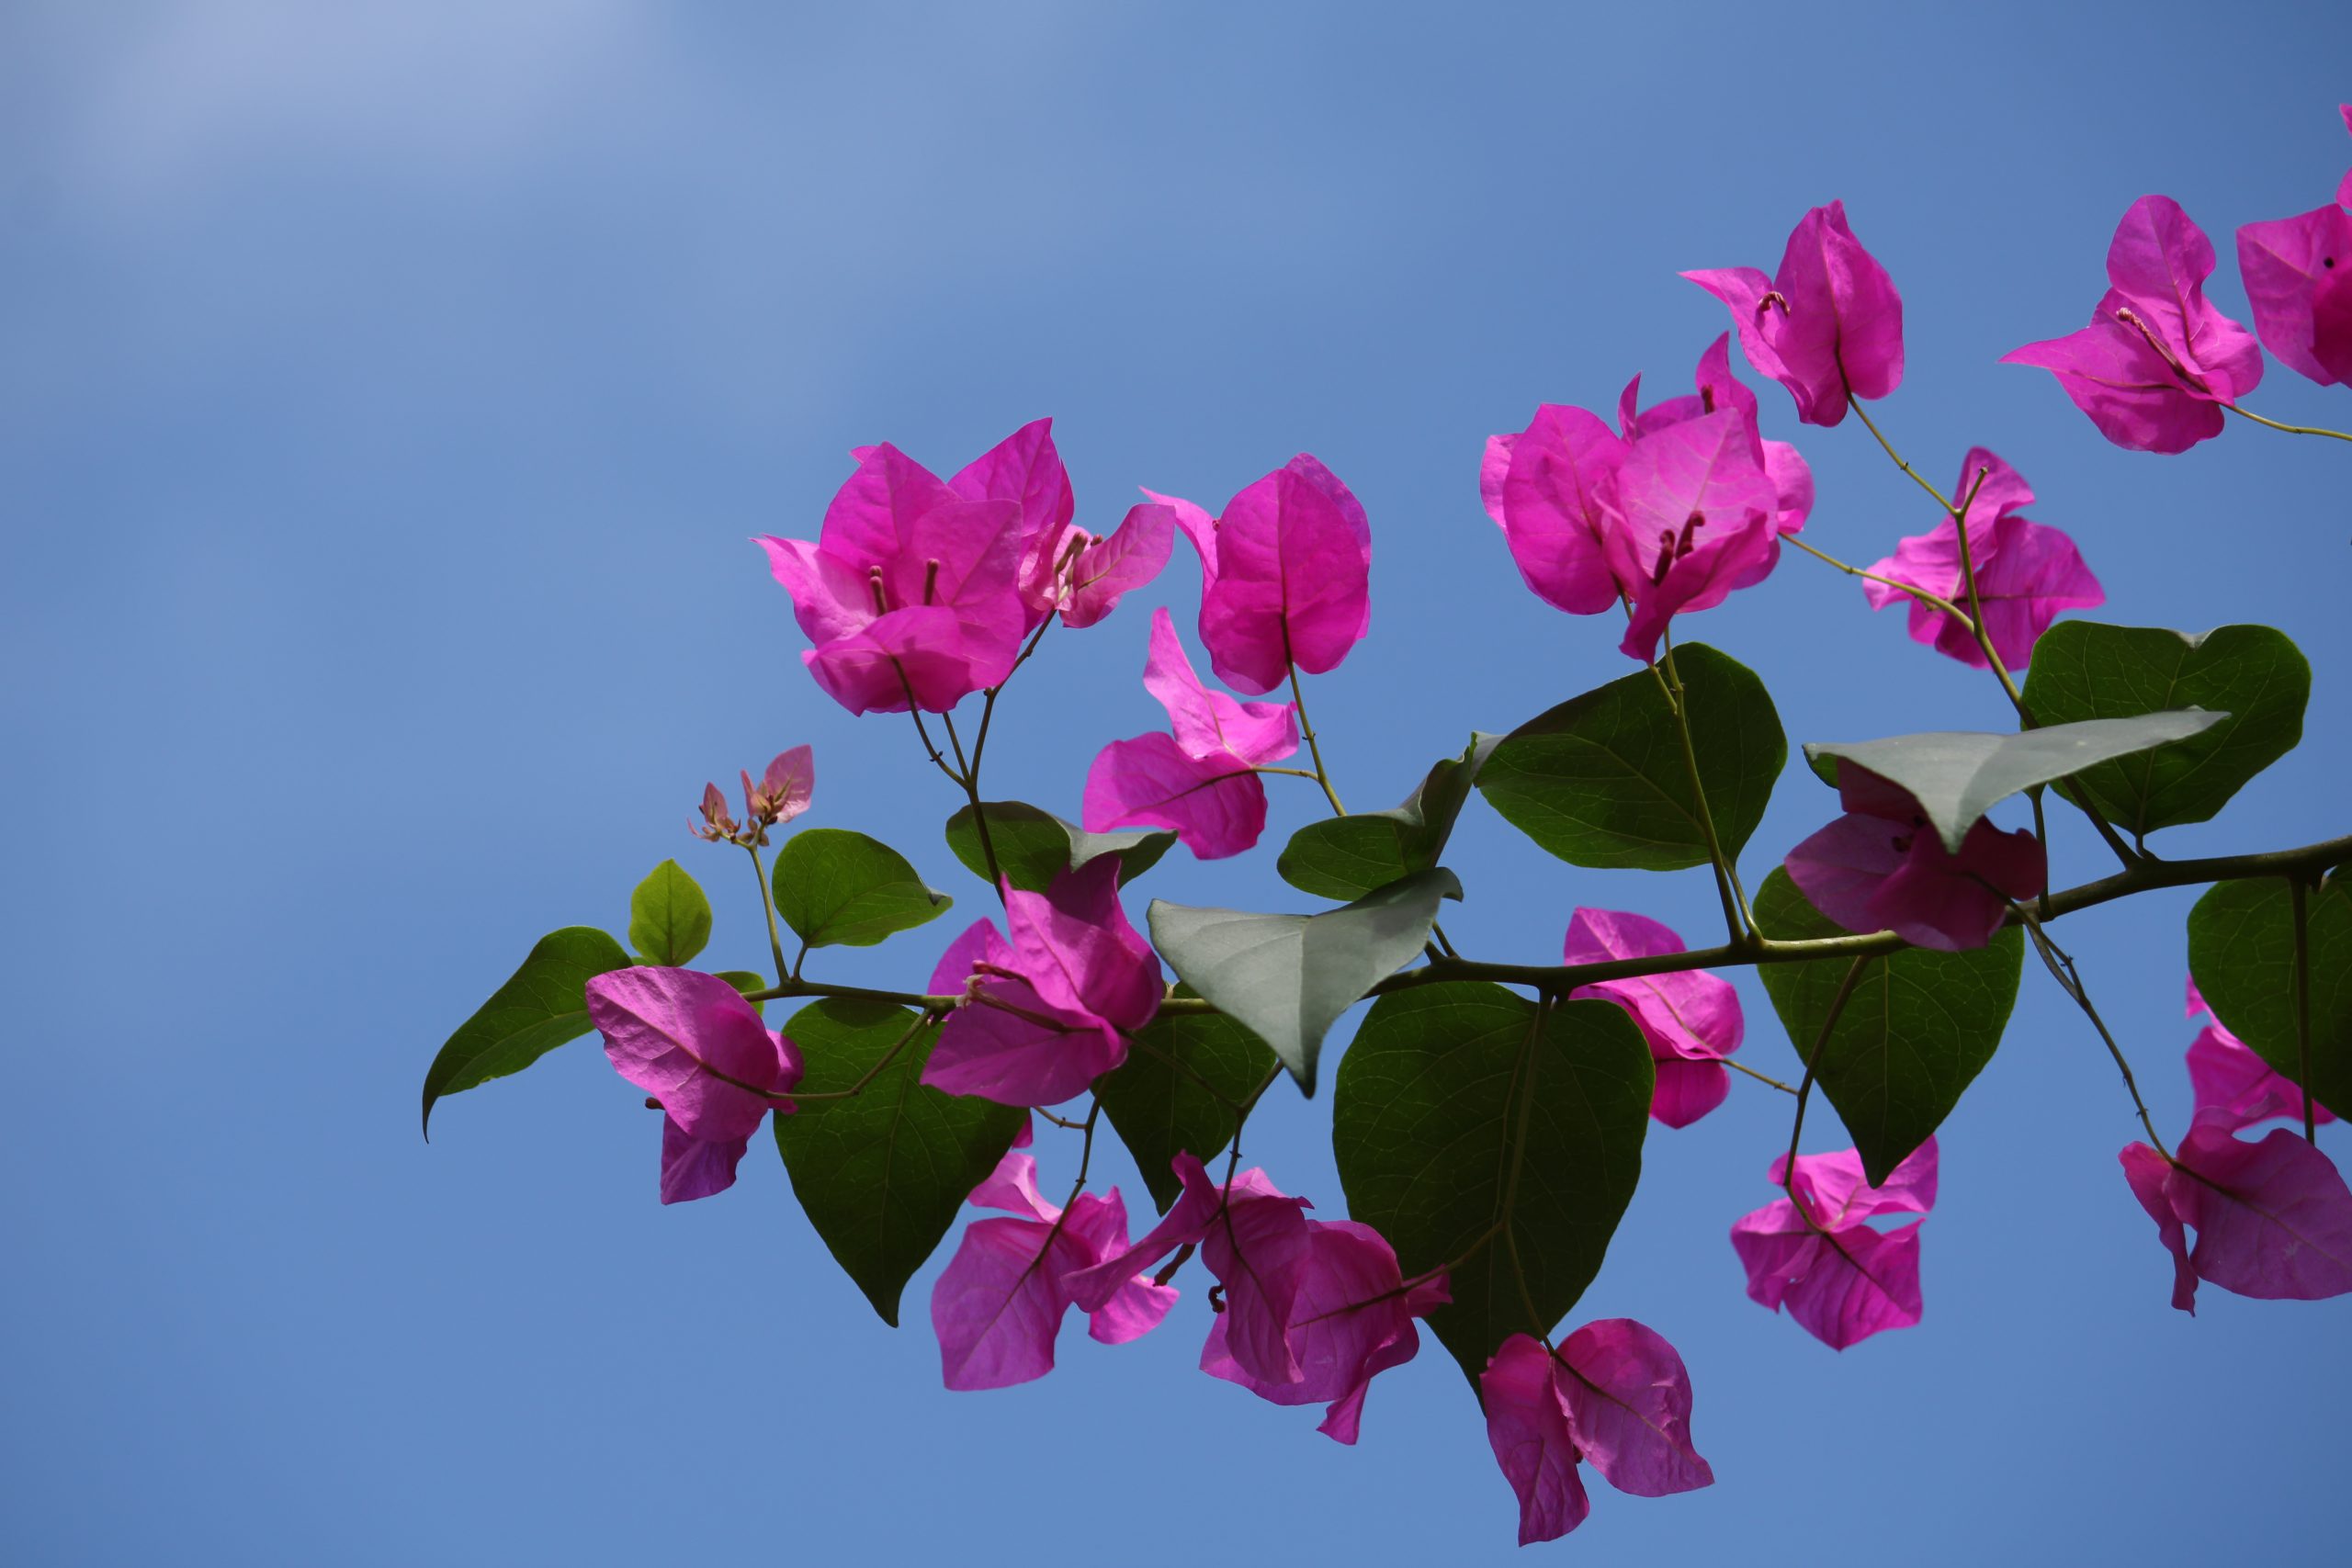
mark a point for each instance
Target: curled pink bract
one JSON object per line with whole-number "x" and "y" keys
{"x": 691, "y": 1041}
{"x": 1048, "y": 1011}
{"x": 2273, "y": 1218}
{"x": 1690, "y": 1017}
{"x": 1842, "y": 1279}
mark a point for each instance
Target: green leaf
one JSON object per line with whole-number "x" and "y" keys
{"x": 2242, "y": 951}
{"x": 669, "y": 918}
{"x": 1289, "y": 977}
{"x": 835, "y": 888}
{"x": 1165, "y": 1099}
{"x": 745, "y": 981}
{"x": 1454, "y": 1113}
{"x": 882, "y": 1174}
{"x": 1958, "y": 775}
{"x": 1347, "y": 857}
{"x": 2083, "y": 670}
{"x": 1602, "y": 781}
{"x": 1034, "y": 846}
{"x": 542, "y": 1005}
{"x": 1918, "y": 1029}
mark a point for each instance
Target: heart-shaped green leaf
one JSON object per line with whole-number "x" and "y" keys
{"x": 834, "y": 887}
{"x": 1462, "y": 1128}
{"x": 668, "y": 918}
{"x": 1601, "y": 780}
{"x": 2242, "y": 951}
{"x": 1958, "y": 775}
{"x": 1177, "y": 1089}
{"x": 542, "y": 1005}
{"x": 1347, "y": 857}
{"x": 1034, "y": 846}
{"x": 882, "y": 1173}
{"x": 2083, "y": 670}
{"x": 1914, "y": 1033}
{"x": 1289, "y": 977}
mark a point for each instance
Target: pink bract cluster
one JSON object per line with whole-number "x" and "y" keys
{"x": 1883, "y": 867}
{"x": 1691, "y": 1018}
{"x": 2298, "y": 274}
{"x": 2273, "y": 1217}
{"x": 1814, "y": 1253}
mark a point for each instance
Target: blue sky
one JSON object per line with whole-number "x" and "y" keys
{"x": 387, "y": 393}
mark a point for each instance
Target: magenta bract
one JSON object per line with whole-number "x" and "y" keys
{"x": 2273, "y": 1219}
{"x": 1048, "y": 1011}
{"x": 1616, "y": 1393}
{"x": 2159, "y": 359}
{"x": 1827, "y": 325}
{"x": 2233, "y": 1087}
{"x": 1314, "y": 1309}
{"x": 1842, "y": 1280}
{"x": 2026, "y": 574}
{"x": 1200, "y": 780}
{"x": 693, "y": 1042}
{"x": 998, "y": 1307}
{"x": 1691, "y": 1018}
{"x": 1881, "y": 867}
{"x": 1286, "y": 575}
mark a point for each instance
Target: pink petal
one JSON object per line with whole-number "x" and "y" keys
{"x": 1293, "y": 556}
{"x": 2283, "y": 262}
{"x": 1216, "y": 808}
{"x": 1527, "y": 1425}
{"x": 2160, "y": 259}
{"x": 1106, "y": 571}
{"x": 997, "y": 1308}
{"x": 1552, "y": 514}
{"x": 1075, "y": 947}
{"x": 1836, "y": 1192}
{"x": 2273, "y": 1218}
{"x": 1844, "y": 326}
{"x": 1210, "y": 726}
{"x": 697, "y": 1167}
{"x": 793, "y": 776}
{"x": 670, "y": 1031}
{"x": 2130, "y": 392}
{"x": 2235, "y": 1088}
{"x": 2147, "y": 1172}
{"x": 981, "y": 943}
{"x": 1842, "y": 1288}
{"x": 1013, "y": 1186}
{"x": 1026, "y": 468}
{"x": 1041, "y": 1055}
{"x": 1744, "y": 290}
{"x": 1628, "y": 1398}
{"x": 868, "y": 517}
{"x": 1492, "y": 466}
{"x": 1842, "y": 865}
{"x": 1196, "y": 525}
{"x": 928, "y": 655}
{"x": 1685, "y": 1090}
{"x": 829, "y": 597}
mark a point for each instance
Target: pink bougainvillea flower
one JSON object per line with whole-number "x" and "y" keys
{"x": 717, "y": 825}
{"x": 1287, "y": 573}
{"x": 1048, "y": 1012}
{"x": 1695, "y": 516}
{"x": 2159, "y": 359}
{"x": 1314, "y": 1309}
{"x": 691, "y": 1041}
{"x": 2235, "y": 1086}
{"x": 1840, "y": 1277}
{"x": 2273, "y": 1219}
{"x": 1684, "y": 505}
{"x": 909, "y": 593}
{"x": 2026, "y": 572}
{"x": 1828, "y": 325}
{"x": 1881, "y": 867}
{"x": 784, "y": 790}
{"x": 1691, "y": 1018}
{"x": 1199, "y": 778}
{"x": 998, "y": 1307}
{"x": 1616, "y": 1393}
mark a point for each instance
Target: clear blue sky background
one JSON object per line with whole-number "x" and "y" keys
{"x": 387, "y": 394}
